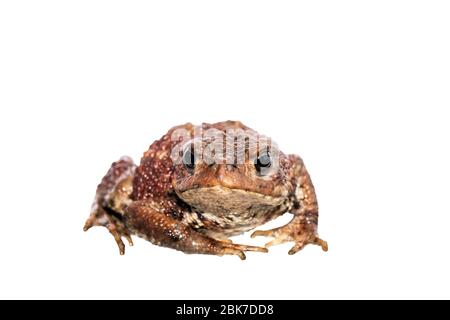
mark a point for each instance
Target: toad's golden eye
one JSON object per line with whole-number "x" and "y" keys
{"x": 263, "y": 161}
{"x": 189, "y": 157}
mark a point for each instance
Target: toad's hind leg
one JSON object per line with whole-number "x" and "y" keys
{"x": 111, "y": 200}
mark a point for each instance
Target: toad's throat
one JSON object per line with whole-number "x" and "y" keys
{"x": 232, "y": 204}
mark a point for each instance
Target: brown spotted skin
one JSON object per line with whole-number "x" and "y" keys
{"x": 195, "y": 210}
{"x": 111, "y": 201}
{"x": 153, "y": 178}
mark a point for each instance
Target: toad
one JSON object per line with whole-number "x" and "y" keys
{"x": 199, "y": 185}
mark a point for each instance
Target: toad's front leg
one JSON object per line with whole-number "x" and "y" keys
{"x": 302, "y": 230}
{"x": 163, "y": 230}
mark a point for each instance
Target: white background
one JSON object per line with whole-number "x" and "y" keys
{"x": 360, "y": 89}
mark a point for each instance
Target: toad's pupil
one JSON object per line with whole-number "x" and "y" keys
{"x": 263, "y": 161}
{"x": 189, "y": 158}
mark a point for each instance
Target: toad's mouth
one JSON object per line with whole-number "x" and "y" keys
{"x": 222, "y": 201}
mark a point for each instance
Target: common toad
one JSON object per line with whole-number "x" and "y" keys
{"x": 199, "y": 185}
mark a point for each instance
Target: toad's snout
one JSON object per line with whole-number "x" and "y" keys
{"x": 229, "y": 176}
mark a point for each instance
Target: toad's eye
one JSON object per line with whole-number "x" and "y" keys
{"x": 263, "y": 161}
{"x": 189, "y": 157}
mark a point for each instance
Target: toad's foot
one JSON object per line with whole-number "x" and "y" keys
{"x": 298, "y": 233}
{"x": 115, "y": 226}
{"x": 228, "y": 247}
